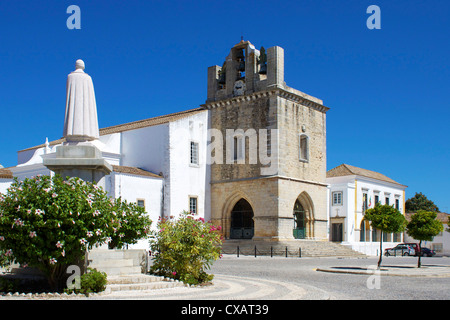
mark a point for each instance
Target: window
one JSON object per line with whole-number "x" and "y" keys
{"x": 337, "y": 198}
{"x": 365, "y": 205}
{"x": 193, "y": 205}
{"x": 303, "y": 148}
{"x": 386, "y": 201}
{"x": 397, "y": 204}
{"x": 141, "y": 203}
{"x": 238, "y": 145}
{"x": 377, "y": 199}
{"x": 194, "y": 153}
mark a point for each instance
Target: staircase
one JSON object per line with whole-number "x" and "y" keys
{"x": 305, "y": 248}
{"x": 118, "y": 262}
{"x": 126, "y": 270}
{"x": 140, "y": 282}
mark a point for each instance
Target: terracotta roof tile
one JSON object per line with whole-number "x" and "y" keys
{"x": 441, "y": 216}
{"x": 134, "y": 125}
{"x": 135, "y": 171}
{"x": 348, "y": 170}
{"x": 5, "y": 173}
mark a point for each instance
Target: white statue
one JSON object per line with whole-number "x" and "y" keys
{"x": 80, "y": 122}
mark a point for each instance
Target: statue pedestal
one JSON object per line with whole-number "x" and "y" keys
{"x": 80, "y": 160}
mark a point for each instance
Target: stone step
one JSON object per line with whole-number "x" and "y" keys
{"x": 140, "y": 282}
{"x": 111, "y": 263}
{"x": 144, "y": 286}
{"x": 309, "y": 248}
{"x": 111, "y": 271}
{"x": 138, "y": 278}
{"x": 118, "y": 262}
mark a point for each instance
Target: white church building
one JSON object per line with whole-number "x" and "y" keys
{"x": 161, "y": 164}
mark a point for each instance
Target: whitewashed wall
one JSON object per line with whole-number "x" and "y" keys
{"x": 353, "y": 218}
{"x": 133, "y": 187}
{"x": 4, "y": 185}
{"x": 184, "y": 179}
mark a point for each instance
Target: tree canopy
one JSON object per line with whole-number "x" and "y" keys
{"x": 387, "y": 219}
{"x": 420, "y": 202}
{"x": 424, "y": 227}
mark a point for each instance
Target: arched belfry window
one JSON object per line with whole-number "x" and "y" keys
{"x": 303, "y": 147}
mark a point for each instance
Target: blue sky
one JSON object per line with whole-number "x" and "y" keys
{"x": 387, "y": 89}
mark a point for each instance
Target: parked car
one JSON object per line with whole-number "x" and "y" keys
{"x": 415, "y": 246}
{"x": 401, "y": 249}
{"x": 427, "y": 252}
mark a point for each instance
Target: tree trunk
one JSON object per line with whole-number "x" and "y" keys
{"x": 420, "y": 254}
{"x": 381, "y": 248}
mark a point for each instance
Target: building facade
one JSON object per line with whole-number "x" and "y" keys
{"x": 351, "y": 192}
{"x": 268, "y": 181}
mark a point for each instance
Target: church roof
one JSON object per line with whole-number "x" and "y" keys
{"x": 135, "y": 171}
{"x": 135, "y": 125}
{"x": 348, "y": 170}
{"x": 5, "y": 173}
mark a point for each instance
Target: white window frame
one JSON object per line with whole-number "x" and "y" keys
{"x": 140, "y": 199}
{"x": 194, "y": 156}
{"x": 193, "y": 206}
{"x": 303, "y": 143}
{"x": 341, "y": 200}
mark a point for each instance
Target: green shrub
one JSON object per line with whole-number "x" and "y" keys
{"x": 48, "y": 223}
{"x": 93, "y": 281}
{"x": 183, "y": 248}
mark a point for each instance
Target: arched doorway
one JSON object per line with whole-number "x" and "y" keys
{"x": 242, "y": 224}
{"x": 299, "y": 221}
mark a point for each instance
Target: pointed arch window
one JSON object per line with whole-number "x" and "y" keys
{"x": 303, "y": 147}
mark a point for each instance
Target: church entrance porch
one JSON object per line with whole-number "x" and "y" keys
{"x": 242, "y": 224}
{"x": 299, "y": 221}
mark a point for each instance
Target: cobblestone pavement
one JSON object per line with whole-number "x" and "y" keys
{"x": 228, "y": 287}
{"x": 265, "y": 278}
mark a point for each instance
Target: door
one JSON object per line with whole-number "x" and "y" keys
{"x": 336, "y": 232}
{"x": 242, "y": 225}
{"x": 299, "y": 221}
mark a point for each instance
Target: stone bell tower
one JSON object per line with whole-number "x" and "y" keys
{"x": 268, "y": 179}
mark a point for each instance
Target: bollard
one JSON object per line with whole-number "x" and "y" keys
{"x": 299, "y": 252}
{"x": 271, "y": 252}
{"x": 238, "y": 251}
{"x": 255, "y": 251}
{"x": 286, "y": 252}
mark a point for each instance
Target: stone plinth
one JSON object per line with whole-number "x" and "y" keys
{"x": 82, "y": 160}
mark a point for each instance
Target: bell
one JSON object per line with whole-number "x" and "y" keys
{"x": 222, "y": 79}
{"x": 241, "y": 66}
{"x": 240, "y": 54}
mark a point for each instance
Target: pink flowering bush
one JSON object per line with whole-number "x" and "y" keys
{"x": 184, "y": 248}
{"x": 49, "y": 223}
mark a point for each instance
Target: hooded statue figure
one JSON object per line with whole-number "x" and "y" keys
{"x": 80, "y": 122}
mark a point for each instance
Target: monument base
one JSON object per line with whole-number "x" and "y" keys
{"x": 80, "y": 160}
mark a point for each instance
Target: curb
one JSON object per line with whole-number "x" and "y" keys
{"x": 384, "y": 271}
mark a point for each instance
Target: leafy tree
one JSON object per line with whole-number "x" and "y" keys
{"x": 49, "y": 223}
{"x": 185, "y": 247}
{"x": 420, "y": 202}
{"x": 424, "y": 227}
{"x": 386, "y": 219}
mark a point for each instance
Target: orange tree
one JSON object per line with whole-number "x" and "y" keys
{"x": 386, "y": 219}
{"x": 424, "y": 227}
{"x": 184, "y": 248}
